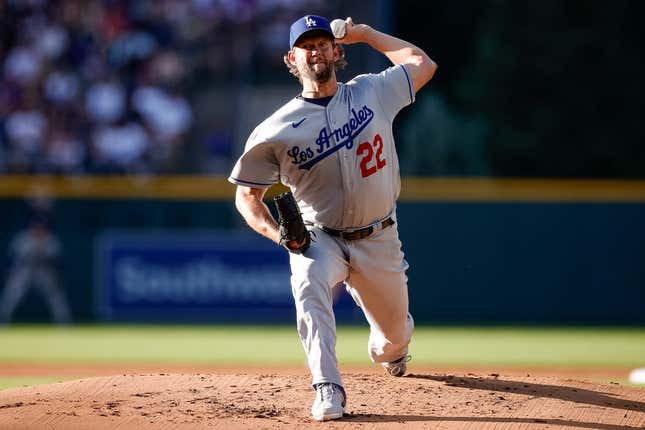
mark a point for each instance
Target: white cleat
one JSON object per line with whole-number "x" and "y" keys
{"x": 398, "y": 367}
{"x": 329, "y": 403}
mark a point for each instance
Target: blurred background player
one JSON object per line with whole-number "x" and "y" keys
{"x": 34, "y": 254}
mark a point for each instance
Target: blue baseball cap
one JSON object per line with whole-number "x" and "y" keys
{"x": 306, "y": 24}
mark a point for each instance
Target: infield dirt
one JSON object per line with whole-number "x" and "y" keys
{"x": 266, "y": 399}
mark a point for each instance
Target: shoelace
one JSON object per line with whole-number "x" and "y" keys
{"x": 327, "y": 392}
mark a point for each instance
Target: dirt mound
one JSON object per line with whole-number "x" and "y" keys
{"x": 281, "y": 401}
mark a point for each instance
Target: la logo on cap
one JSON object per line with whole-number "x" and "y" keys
{"x": 310, "y": 22}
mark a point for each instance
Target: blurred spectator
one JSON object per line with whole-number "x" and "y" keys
{"x": 105, "y": 102}
{"x": 23, "y": 65}
{"x": 168, "y": 117}
{"x": 34, "y": 253}
{"x": 62, "y": 87}
{"x": 51, "y": 41}
{"x": 65, "y": 152}
{"x": 25, "y": 128}
{"x": 121, "y": 148}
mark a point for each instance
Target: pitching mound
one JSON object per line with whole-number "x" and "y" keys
{"x": 269, "y": 401}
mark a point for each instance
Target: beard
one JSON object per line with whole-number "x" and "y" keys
{"x": 319, "y": 74}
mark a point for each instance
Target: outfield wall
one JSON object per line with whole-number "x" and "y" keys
{"x": 480, "y": 251}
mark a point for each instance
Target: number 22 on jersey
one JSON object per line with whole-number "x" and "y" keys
{"x": 372, "y": 160}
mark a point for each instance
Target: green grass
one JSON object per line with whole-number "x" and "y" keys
{"x": 19, "y": 381}
{"x": 456, "y": 346}
{"x": 262, "y": 346}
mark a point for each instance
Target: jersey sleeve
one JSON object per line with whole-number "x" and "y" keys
{"x": 258, "y": 166}
{"x": 394, "y": 89}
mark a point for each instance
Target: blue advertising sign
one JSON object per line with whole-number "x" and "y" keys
{"x": 194, "y": 276}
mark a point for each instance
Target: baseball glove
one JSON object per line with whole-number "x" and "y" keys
{"x": 292, "y": 228}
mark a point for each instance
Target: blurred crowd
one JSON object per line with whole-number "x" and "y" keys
{"x": 106, "y": 86}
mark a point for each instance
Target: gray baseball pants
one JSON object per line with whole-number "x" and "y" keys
{"x": 374, "y": 272}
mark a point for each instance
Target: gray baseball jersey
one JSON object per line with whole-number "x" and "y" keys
{"x": 340, "y": 161}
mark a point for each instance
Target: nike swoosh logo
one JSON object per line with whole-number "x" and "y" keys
{"x": 296, "y": 124}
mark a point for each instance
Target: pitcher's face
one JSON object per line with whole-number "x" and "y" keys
{"x": 315, "y": 57}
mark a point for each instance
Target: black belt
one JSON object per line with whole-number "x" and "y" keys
{"x": 361, "y": 233}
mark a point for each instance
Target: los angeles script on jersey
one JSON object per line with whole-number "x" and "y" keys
{"x": 344, "y": 137}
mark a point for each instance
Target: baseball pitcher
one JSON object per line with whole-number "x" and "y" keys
{"x": 332, "y": 145}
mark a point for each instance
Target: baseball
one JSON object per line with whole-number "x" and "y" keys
{"x": 338, "y": 28}
{"x": 637, "y": 376}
